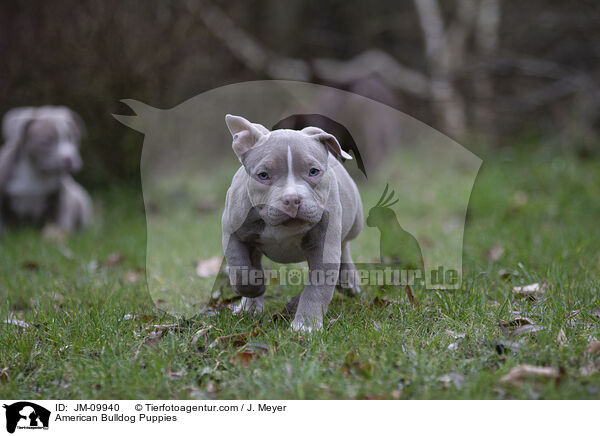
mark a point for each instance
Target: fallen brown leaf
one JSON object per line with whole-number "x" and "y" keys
{"x": 383, "y": 301}
{"x": 518, "y": 326}
{"x": 113, "y": 259}
{"x": 237, "y": 340}
{"x": 209, "y": 267}
{"x": 411, "y": 297}
{"x": 593, "y": 347}
{"x": 4, "y": 375}
{"x": 561, "y": 339}
{"x": 244, "y": 357}
{"x": 134, "y": 276}
{"x": 153, "y": 338}
{"x": 521, "y": 373}
{"x": 202, "y": 333}
{"x": 31, "y": 265}
{"x": 494, "y": 253}
{"x": 162, "y": 327}
{"x": 526, "y": 329}
{"x": 531, "y": 292}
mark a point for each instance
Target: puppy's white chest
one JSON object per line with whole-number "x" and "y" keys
{"x": 26, "y": 182}
{"x": 28, "y": 191}
{"x": 283, "y": 245}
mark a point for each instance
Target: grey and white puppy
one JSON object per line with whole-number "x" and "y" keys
{"x": 291, "y": 200}
{"x": 39, "y": 154}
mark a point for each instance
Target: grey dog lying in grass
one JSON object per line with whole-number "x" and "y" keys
{"x": 39, "y": 154}
{"x": 291, "y": 200}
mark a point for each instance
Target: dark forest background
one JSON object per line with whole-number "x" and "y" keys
{"x": 482, "y": 71}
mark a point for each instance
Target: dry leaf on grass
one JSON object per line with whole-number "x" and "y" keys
{"x": 153, "y": 338}
{"x": 30, "y": 265}
{"x": 531, "y": 292}
{"x": 494, "y": 253}
{"x": 561, "y": 339}
{"x": 4, "y": 375}
{"x": 209, "y": 267}
{"x": 113, "y": 259}
{"x": 244, "y": 357}
{"x": 519, "y": 374}
{"x": 525, "y": 330}
{"x": 519, "y": 326}
{"x": 142, "y": 318}
{"x": 411, "y": 297}
{"x": 201, "y": 334}
{"x": 251, "y": 351}
{"x": 134, "y": 276}
{"x": 383, "y": 301}
{"x": 237, "y": 339}
{"x": 593, "y": 347}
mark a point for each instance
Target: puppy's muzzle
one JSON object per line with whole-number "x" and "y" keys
{"x": 290, "y": 203}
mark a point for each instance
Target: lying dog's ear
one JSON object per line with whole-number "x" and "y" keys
{"x": 15, "y": 122}
{"x": 328, "y": 140}
{"x": 14, "y": 126}
{"x": 245, "y": 134}
{"x": 76, "y": 123}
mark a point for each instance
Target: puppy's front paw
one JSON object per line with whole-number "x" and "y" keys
{"x": 304, "y": 327}
{"x": 252, "y": 306}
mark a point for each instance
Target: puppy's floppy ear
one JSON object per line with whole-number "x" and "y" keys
{"x": 329, "y": 141}
{"x": 76, "y": 123}
{"x": 14, "y": 125}
{"x": 245, "y": 134}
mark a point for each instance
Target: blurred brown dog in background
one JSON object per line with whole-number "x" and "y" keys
{"x": 40, "y": 152}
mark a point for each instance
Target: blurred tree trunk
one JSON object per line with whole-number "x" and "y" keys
{"x": 486, "y": 40}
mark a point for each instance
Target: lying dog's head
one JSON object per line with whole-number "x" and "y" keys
{"x": 288, "y": 170}
{"x": 48, "y": 136}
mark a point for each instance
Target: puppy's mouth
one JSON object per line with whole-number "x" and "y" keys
{"x": 293, "y": 222}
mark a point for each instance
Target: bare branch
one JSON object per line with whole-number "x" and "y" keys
{"x": 373, "y": 61}
{"x": 244, "y": 47}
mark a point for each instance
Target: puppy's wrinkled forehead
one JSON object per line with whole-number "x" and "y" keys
{"x": 281, "y": 148}
{"x": 42, "y": 129}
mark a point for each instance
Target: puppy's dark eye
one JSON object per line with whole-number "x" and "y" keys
{"x": 263, "y": 175}
{"x": 314, "y": 171}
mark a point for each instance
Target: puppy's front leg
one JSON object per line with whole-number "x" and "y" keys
{"x": 245, "y": 275}
{"x": 322, "y": 246}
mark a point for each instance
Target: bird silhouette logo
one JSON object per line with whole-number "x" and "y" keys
{"x": 396, "y": 245}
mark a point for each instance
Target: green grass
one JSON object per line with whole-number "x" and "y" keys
{"x": 541, "y": 207}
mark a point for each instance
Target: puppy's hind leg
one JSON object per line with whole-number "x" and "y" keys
{"x": 348, "y": 282}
